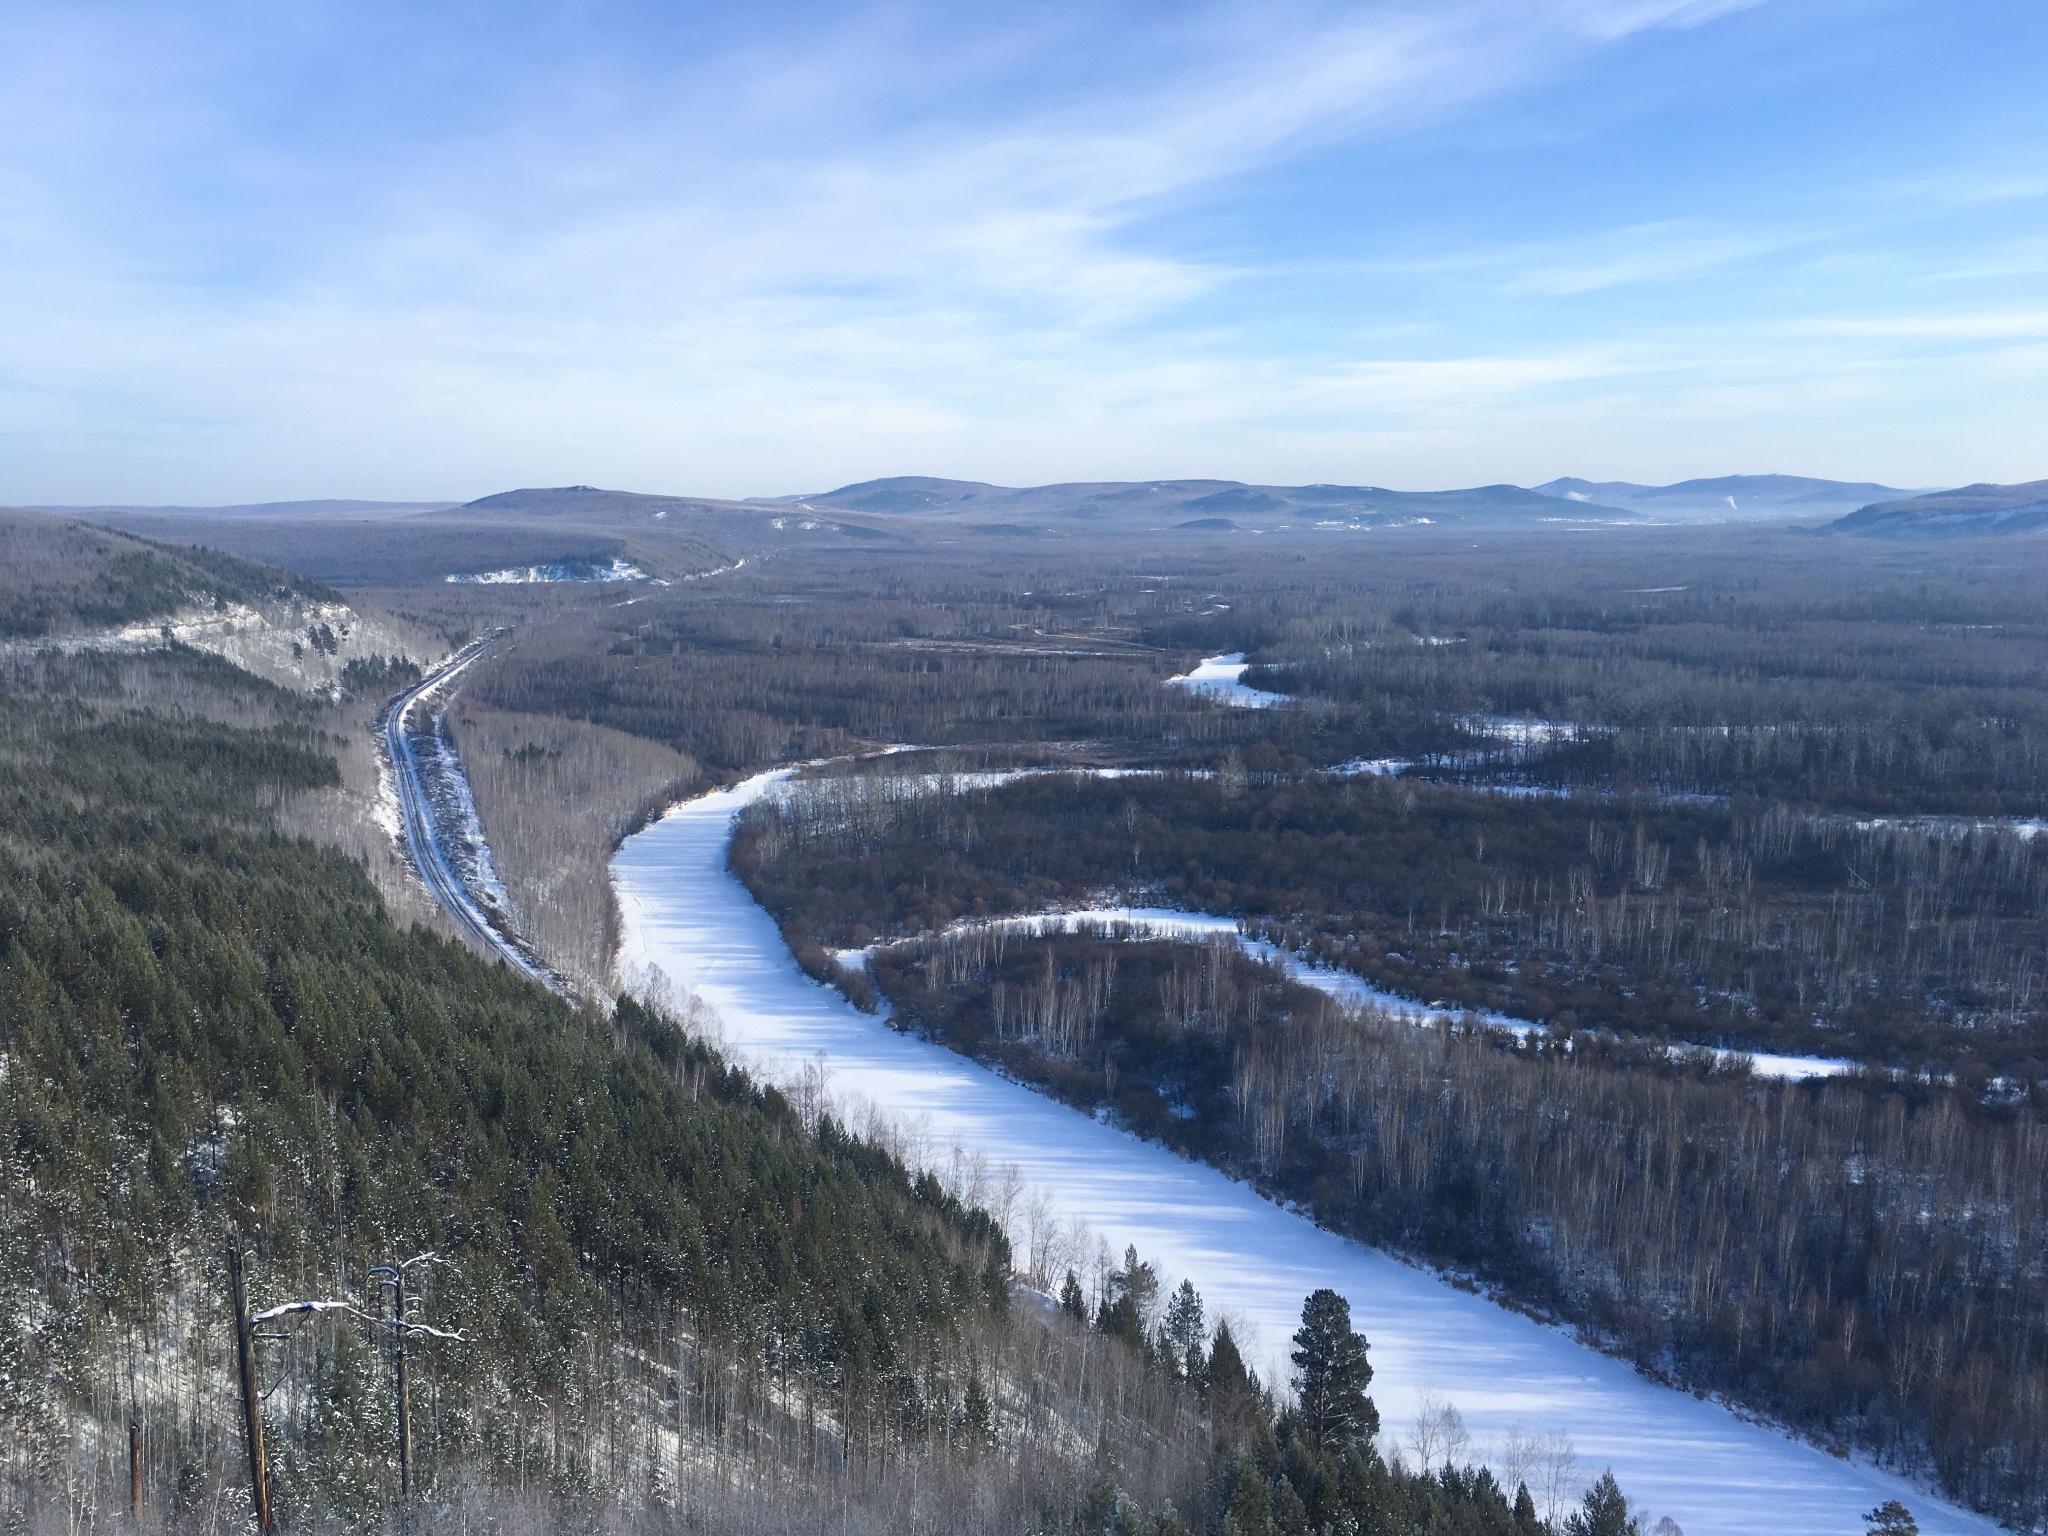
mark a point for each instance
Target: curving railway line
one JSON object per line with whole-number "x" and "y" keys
{"x": 433, "y": 824}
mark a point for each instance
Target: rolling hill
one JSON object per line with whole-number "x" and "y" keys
{"x": 1726, "y": 498}
{"x": 58, "y": 575}
{"x": 1194, "y": 506}
{"x": 1973, "y": 511}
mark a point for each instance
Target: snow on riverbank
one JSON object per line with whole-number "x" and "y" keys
{"x": 1219, "y": 676}
{"x": 561, "y": 570}
{"x": 685, "y": 915}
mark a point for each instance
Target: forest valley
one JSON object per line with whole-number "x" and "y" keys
{"x": 1662, "y": 799}
{"x": 646, "y": 1292}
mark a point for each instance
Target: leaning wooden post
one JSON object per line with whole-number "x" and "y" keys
{"x": 404, "y": 1396}
{"x": 245, "y": 1370}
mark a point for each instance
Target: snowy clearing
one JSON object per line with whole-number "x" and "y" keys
{"x": 687, "y": 920}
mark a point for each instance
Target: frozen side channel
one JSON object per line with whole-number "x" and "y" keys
{"x": 1221, "y": 677}
{"x": 1712, "y": 1473}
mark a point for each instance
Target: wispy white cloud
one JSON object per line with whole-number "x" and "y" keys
{"x": 706, "y": 223}
{"x": 742, "y": 260}
{"x": 2007, "y": 325}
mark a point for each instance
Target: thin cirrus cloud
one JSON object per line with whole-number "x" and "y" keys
{"x": 368, "y": 251}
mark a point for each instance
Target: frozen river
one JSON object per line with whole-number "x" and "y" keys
{"x": 1709, "y": 1471}
{"x": 1221, "y": 677}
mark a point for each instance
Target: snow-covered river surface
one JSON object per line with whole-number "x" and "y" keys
{"x": 1715, "y": 1475}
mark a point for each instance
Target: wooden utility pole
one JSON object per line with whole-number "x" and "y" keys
{"x": 402, "y": 1328}
{"x": 245, "y": 1370}
{"x": 404, "y": 1396}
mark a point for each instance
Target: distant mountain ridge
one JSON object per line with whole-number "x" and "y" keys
{"x": 583, "y": 501}
{"x": 1193, "y": 505}
{"x": 1728, "y": 498}
{"x": 325, "y": 507}
{"x": 1971, "y": 511}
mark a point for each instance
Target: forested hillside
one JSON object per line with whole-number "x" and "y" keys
{"x": 60, "y": 575}
{"x": 206, "y": 1024}
{"x": 1644, "y": 818}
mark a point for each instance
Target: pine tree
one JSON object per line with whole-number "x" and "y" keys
{"x": 1247, "y": 1511}
{"x": 1331, "y": 1373}
{"x": 977, "y": 1417}
{"x": 1071, "y": 1300}
{"x": 1119, "y": 1319}
{"x": 1137, "y": 1280}
{"x": 1891, "y": 1518}
{"x": 1236, "y": 1403}
{"x": 1290, "y": 1510}
{"x": 1526, "y": 1523}
{"x": 1184, "y": 1333}
{"x": 1605, "y": 1512}
{"x": 1122, "y": 1312}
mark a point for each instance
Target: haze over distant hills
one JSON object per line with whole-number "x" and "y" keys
{"x": 1218, "y": 506}
{"x": 1971, "y": 511}
{"x": 378, "y": 543}
{"x": 1728, "y": 498}
{"x": 330, "y": 507}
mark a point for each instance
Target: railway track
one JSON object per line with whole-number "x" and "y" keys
{"x": 426, "y": 839}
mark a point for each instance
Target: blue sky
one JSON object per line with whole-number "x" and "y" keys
{"x": 270, "y": 251}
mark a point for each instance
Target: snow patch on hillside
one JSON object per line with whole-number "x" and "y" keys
{"x": 296, "y": 643}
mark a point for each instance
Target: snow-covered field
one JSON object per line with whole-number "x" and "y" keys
{"x": 1219, "y": 676}
{"x": 687, "y": 919}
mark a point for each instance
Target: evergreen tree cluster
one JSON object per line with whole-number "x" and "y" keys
{"x": 205, "y": 1023}
{"x": 1315, "y": 1466}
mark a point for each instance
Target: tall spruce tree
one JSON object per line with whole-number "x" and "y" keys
{"x": 1604, "y": 1512}
{"x": 1331, "y": 1373}
{"x": 1236, "y": 1403}
{"x": 1071, "y": 1300}
{"x": 1184, "y": 1334}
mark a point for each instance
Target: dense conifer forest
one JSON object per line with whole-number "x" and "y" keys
{"x": 206, "y": 1024}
